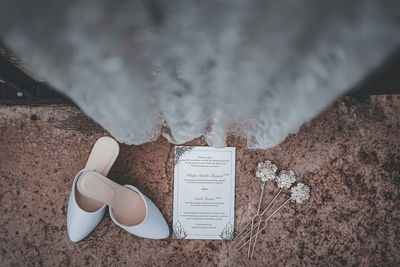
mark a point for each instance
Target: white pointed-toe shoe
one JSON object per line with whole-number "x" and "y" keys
{"x": 84, "y": 213}
{"x": 81, "y": 223}
{"x": 153, "y": 226}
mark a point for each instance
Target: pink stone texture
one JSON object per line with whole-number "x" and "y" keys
{"x": 349, "y": 155}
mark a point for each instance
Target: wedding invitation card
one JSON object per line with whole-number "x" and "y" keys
{"x": 204, "y": 193}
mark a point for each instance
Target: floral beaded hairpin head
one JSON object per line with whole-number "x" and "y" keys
{"x": 266, "y": 171}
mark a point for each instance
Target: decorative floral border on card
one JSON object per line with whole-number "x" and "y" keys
{"x": 178, "y": 232}
{"x": 180, "y": 151}
{"x": 228, "y": 232}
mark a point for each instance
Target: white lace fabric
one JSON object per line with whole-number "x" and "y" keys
{"x": 255, "y": 69}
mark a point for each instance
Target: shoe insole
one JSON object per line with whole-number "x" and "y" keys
{"x": 101, "y": 159}
{"x": 127, "y": 206}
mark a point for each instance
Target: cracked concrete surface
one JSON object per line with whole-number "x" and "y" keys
{"x": 349, "y": 155}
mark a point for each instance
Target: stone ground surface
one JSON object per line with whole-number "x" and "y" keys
{"x": 349, "y": 155}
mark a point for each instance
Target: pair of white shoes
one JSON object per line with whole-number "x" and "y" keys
{"x": 92, "y": 192}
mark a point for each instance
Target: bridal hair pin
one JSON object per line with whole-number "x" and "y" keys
{"x": 266, "y": 171}
{"x": 283, "y": 181}
{"x": 298, "y": 194}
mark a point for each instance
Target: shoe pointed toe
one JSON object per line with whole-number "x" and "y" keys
{"x": 81, "y": 223}
{"x": 154, "y": 225}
